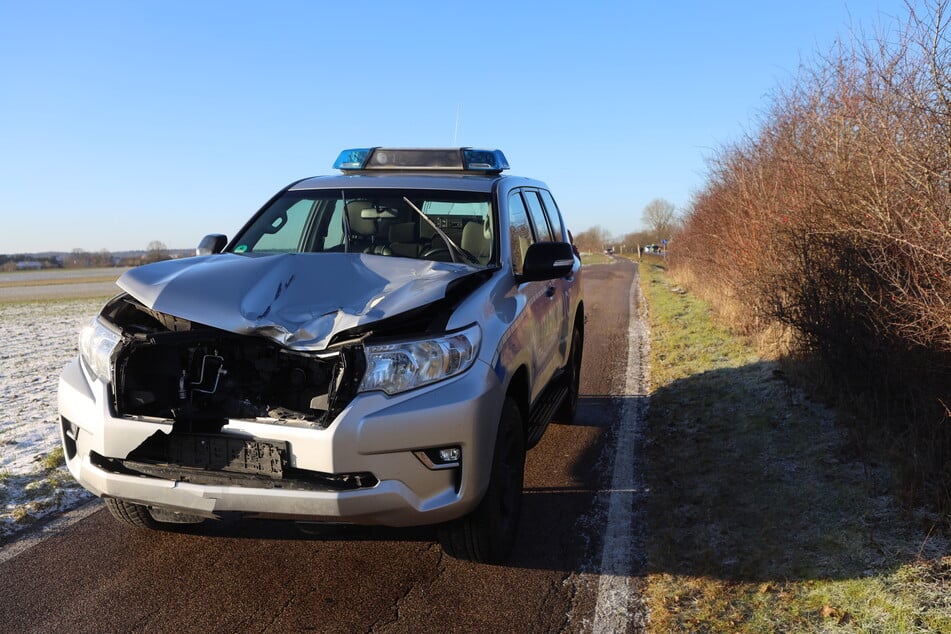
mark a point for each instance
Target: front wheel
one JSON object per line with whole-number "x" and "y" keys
{"x": 488, "y": 533}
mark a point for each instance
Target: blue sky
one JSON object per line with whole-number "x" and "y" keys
{"x": 127, "y": 122}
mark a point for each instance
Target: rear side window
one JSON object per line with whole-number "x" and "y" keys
{"x": 520, "y": 233}
{"x": 554, "y": 216}
{"x": 542, "y": 231}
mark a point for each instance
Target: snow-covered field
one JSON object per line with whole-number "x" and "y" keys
{"x": 36, "y": 341}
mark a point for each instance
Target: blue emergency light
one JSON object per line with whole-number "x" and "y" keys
{"x": 446, "y": 159}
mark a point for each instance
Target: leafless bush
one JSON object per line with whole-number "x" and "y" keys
{"x": 592, "y": 240}
{"x": 835, "y": 219}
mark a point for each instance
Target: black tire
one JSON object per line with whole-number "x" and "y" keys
{"x": 132, "y": 514}
{"x": 569, "y": 406}
{"x": 140, "y": 516}
{"x": 488, "y": 533}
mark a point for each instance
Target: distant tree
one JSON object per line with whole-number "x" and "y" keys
{"x": 156, "y": 251}
{"x": 101, "y": 258}
{"x": 660, "y": 218}
{"x": 635, "y": 240}
{"x": 78, "y": 259}
{"x": 592, "y": 240}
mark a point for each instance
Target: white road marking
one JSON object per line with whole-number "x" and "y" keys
{"x": 45, "y": 530}
{"x": 617, "y": 609}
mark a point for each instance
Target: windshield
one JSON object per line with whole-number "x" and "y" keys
{"x": 444, "y": 226}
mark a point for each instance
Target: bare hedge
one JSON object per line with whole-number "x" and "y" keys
{"x": 834, "y": 218}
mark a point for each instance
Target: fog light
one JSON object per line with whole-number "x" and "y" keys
{"x": 450, "y": 454}
{"x": 440, "y": 457}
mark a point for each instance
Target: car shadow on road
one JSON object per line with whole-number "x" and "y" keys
{"x": 559, "y": 525}
{"x": 239, "y": 526}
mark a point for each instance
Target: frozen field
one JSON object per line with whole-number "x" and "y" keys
{"x": 59, "y": 284}
{"x": 36, "y": 341}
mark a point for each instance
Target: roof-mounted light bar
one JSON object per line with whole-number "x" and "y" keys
{"x": 410, "y": 159}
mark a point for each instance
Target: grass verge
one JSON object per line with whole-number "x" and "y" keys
{"x": 760, "y": 518}
{"x": 588, "y": 259}
{"x": 27, "y": 497}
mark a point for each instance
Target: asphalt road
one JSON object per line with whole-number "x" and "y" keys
{"x": 266, "y": 576}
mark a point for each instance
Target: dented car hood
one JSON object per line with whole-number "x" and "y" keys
{"x": 299, "y": 300}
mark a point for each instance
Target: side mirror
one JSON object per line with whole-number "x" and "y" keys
{"x": 547, "y": 261}
{"x": 211, "y": 244}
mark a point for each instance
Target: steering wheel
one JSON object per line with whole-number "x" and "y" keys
{"x": 439, "y": 254}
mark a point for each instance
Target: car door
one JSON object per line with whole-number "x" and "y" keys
{"x": 544, "y": 304}
{"x": 568, "y": 286}
{"x": 557, "y": 327}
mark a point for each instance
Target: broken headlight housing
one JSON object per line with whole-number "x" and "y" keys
{"x": 96, "y": 345}
{"x": 405, "y": 365}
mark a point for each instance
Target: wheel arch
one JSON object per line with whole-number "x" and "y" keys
{"x": 519, "y": 389}
{"x": 579, "y": 317}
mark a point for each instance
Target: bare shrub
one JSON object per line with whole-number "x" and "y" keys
{"x": 835, "y": 220}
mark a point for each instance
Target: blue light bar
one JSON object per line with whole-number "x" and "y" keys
{"x": 353, "y": 159}
{"x": 484, "y": 160}
{"x": 426, "y": 159}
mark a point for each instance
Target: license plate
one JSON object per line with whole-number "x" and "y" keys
{"x": 221, "y": 453}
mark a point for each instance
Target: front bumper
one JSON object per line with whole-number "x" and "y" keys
{"x": 375, "y": 434}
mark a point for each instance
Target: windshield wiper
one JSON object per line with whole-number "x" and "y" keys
{"x": 346, "y": 223}
{"x": 454, "y": 250}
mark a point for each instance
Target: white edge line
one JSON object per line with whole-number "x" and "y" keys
{"x": 615, "y": 608}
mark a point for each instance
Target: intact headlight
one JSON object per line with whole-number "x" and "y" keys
{"x": 405, "y": 365}
{"x": 96, "y": 345}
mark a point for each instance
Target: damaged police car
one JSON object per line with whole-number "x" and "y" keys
{"x": 376, "y": 347}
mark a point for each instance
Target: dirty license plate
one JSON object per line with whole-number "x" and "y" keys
{"x": 219, "y": 453}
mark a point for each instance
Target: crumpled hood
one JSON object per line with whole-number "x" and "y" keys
{"x": 299, "y": 300}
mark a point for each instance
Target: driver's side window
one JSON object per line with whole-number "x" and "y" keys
{"x": 285, "y": 233}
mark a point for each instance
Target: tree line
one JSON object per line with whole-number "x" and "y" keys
{"x": 659, "y": 218}
{"x": 82, "y": 259}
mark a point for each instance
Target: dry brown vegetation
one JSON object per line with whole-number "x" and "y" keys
{"x": 833, "y": 221}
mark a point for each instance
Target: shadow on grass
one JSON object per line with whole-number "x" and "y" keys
{"x": 749, "y": 481}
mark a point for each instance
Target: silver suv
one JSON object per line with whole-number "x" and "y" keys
{"x": 376, "y": 347}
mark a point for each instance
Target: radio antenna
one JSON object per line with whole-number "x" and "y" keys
{"x": 455, "y": 134}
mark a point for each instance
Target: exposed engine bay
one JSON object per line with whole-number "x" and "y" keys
{"x": 200, "y": 377}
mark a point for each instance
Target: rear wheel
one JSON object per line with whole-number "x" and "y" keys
{"x": 141, "y": 516}
{"x": 488, "y": 533}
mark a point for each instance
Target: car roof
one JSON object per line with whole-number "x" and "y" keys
{"x": 415, "y": 180}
